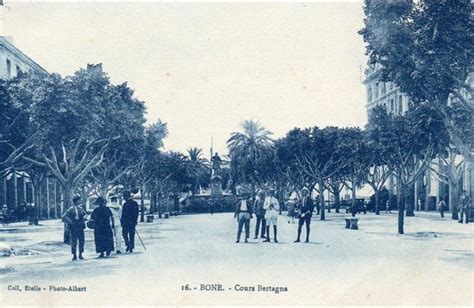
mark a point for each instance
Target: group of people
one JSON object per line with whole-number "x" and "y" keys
{"x": 111, "y": 222}
{"x": 266, "y": 209}
{"x": 23, "y": 212}
{"x": 464, "y": 208}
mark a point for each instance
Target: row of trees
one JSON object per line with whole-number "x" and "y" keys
{"x": 330, "y": 158}
{"x": 90, "y": 135}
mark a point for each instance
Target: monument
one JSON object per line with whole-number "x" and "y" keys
{"x": 216, "y": 182}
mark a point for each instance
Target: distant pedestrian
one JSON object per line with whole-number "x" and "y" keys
{"x": 305, "y": 210}
{"x": 75, "y": 217}
{"x": 260, "y": 214}
{"x": 116, "y": 210}
{"x": 291, "y": 211}
{"x": 31, "y": 214}
{"x": 5, "y": 215}
{"x": 243, "y": 213}
{"x": 129, "y": 220}
{"x": 103, "y": 225}
{"x": 387, "y": 207}
{"x": 464, "y": 207}
{"x": 441, "y": 207}
{"x": 271, "y": 206}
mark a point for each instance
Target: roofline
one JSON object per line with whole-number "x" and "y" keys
{"x": 21, "y": 55}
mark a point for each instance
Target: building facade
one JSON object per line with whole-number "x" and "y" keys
{"x": 428, "y": 190}
{"x": 18, "y": 188}
{"x": 13, "y": 61}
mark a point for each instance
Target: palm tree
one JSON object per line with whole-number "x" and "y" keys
{"x": 199, "y": 167}
{"x": 195, "y": 155}
{"x": 247, "y": 146}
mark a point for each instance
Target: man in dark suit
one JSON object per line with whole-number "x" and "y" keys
{"x": 305, "y": 208}
{"x": 129, "y": 220}
{"x": 75, "y": 219}
{"x": 243, "y": 213}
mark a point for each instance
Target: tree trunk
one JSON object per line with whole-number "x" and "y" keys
{"x": 36, "y": 197}
{"x": 142, "y": 204}
{"x": 321, "y": 199}
{"x": 401, "y": 208}
{"x": 15, "y": 191}
{"x": 159, "y": 200}
{"x": 377, "y": 202}
{"x": 153, "y": 202}
{"x": 354, "y": 200}
{"x": 68, "y": 191}
{"x": 410, "y": 207}
{"x": 454, "y": 199}
{"x": 337, "y": 201}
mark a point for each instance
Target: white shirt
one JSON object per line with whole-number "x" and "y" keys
{"x": 243, "y": 206}
{"x": 271, "y": 201}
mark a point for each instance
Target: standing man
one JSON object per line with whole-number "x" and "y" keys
{"x": 75, "y": 219}
{"x": 441, "y": 207}
{"x": 305, "y": 207}
{"x": 243, "y": 213}
{"x": 260, "y": 213}
{"x": 5, "y": 215}
{"x": 271, "y": 206}
{"x": 116, "y": 210}
{"x": 387, "y": 207}
{"x": 129, "y": 220}
{"x": 464, "y": 207}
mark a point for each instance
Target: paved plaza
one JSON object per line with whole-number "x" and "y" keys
{"x": 432, "y": 264}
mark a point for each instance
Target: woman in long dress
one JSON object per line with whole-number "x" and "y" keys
{"x": 103, "y": 224}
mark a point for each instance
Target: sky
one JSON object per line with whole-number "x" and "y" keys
{"x": 203, "y": 68}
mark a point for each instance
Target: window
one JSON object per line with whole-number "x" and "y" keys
{"x": 400, "y": 104}
{"x": 9, "y": 69}
{"x": 18, "y": 70}
{"x": 369, "y": 93}
{"x": 384, "y": 88}
{"x": 392, "y": 105}
{"x": 376, "y": 92}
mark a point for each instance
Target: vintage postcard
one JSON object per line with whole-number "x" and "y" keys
{"x": 163, "y": 153}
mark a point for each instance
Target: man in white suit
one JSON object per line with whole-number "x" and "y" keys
{"x": 272, "y": 207}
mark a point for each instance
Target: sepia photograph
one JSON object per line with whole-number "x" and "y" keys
{"x": 222, "y": 153}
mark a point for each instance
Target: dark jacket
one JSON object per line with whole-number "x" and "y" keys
{"x": 237, "y": 207}
{"x": 258, "y": 207}
{"x": 129, "y": 213}
{"x": 70, "y": 217}
{"x": 305, "y": 206}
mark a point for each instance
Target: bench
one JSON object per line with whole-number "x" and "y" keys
{"x": 149, "y": 218}
{"x": 351, "y": 223}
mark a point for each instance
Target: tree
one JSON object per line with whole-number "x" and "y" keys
{"x": 379, "y": 171}
{"x": 450, "y": 165}
{"x": 125, "y": 119}
{"x": 316, "y": 153}
{"x": 198, "y": 167}
{"x": 72, "y": 121}
{"x": 246, "y": 147}
{"x": 412, "y": 140}
{"x": 353, "y": 146}
{"x": 66, "y": 113}
{"x": 145, "y": 173}
{"x": 426, "y": 48}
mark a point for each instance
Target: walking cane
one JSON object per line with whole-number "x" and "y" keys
{"x": 139, "y": 237}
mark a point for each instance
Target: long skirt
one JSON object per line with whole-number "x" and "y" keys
{"x": 104, "y": 239}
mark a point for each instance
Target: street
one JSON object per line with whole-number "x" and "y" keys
{"x": 193, "y": 259}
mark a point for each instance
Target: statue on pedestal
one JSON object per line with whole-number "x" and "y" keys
{"x": 216, "y": 182}
{"x": 216, "y": 164}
